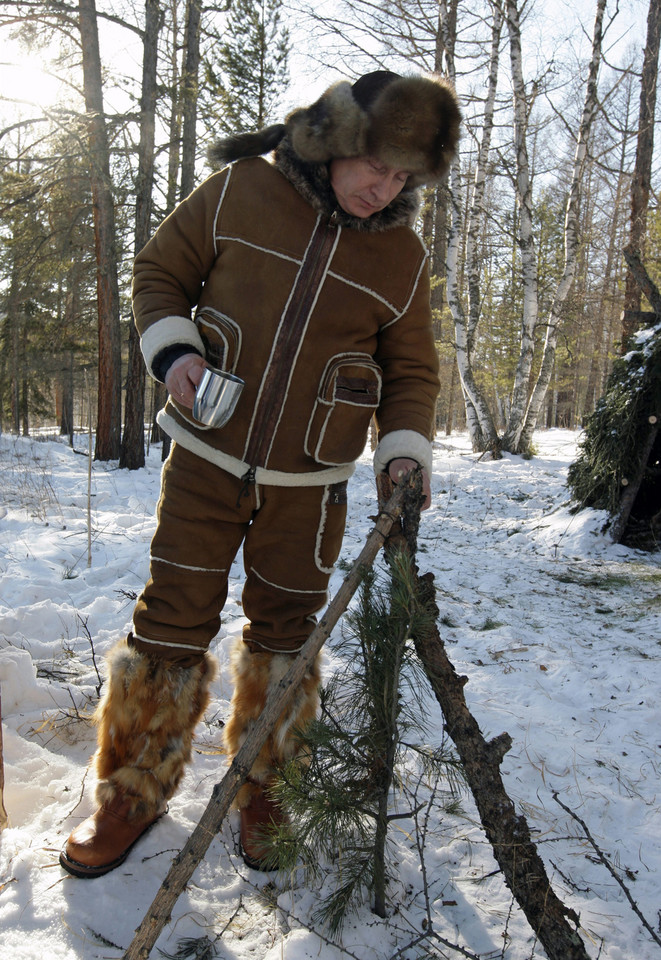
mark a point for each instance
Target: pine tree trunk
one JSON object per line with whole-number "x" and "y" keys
{"x": 110, "y": 359}
{"x": 590, "y": 109}
{"x": 383, "y": 748}
{"x": 12, "y": 338}
{"x": 66, "y": 420}
{"x": 25, "y": 386}
{"x": 175, "y": 115}
{"x": 175, "y": 131}
{"x": 189, "y": 86}
{"x": 640, "y": 187}
{"x": 133, "y": 441}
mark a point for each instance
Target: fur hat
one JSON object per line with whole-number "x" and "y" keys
{"x": 411, "y": 123}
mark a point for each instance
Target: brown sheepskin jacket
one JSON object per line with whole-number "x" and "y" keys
{"x": 325, "y": 316}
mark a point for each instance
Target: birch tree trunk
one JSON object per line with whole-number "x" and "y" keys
{"x": 523, "y": 189}
{"x": 478, "y": 416}
{"x": 481, "y": 410}
{"x": 109, "y": 418}
{"x": 133, "y": 442}
{"x": 590, "y": 108}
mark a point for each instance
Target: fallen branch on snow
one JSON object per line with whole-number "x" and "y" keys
{"x": 606, "y": 862}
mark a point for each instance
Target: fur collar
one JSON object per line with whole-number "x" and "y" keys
{"x": 312, "y": 181}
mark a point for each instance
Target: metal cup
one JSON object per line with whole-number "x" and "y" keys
{"x": 216, "y": 397}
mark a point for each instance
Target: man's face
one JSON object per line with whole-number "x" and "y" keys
{"x": 364, "y": 185}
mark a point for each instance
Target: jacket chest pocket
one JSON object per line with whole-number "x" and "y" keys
{"x": 348, "y": 396}
{"x": 222, "y": 338}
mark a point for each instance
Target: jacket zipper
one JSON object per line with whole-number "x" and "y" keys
{"x": 273, "y": 398}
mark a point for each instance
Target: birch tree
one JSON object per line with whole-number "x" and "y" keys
{"x": 571, "y": 235}
{"x": 479, "y": 419}
{"x": 526, "y": 241}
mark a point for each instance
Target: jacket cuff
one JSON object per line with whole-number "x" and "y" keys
{"x": 164, "y": 360}
{"x": 403, "y": 443}
{"x": 166, "y": 333}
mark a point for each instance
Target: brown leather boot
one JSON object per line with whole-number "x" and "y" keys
{"x": 261, "y": 814}
{"x": 104, "y": 840}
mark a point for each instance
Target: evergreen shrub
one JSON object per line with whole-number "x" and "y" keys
{"x": 611, "y": 449}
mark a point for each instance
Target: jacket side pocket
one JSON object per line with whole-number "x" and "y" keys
{"x": 348, "y": 396}
{"x": 222, "y": 338}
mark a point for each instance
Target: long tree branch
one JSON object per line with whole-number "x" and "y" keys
{"x": 186, "y": 861}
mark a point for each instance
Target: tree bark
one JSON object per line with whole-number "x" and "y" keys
{"x": 640, "y": 187}
{"x": 66, "y": 419}
{"x": 508, "y": 833}
{"x": 523, "y": 187}
{"x": 642, "y": 278}
{"x": 186, "y": 861}
{"x": 109, "y": 416}
{"x": 590, "y": 109}
{"x": 4, "y": 819}
{"x": 12, "y": 339}
{"x": 189, "y": 89}
{"x": 487, "y": 432}
{"x": 133, "y": 441}
{"x": 483, "y": 433}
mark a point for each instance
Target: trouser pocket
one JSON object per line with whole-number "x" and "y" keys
{"x": 289, "y": 553}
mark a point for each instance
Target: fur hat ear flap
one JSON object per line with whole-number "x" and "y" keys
{"x": 414, "y": 126}
{"x": 245, "y": 145}
{"x": 334, "y": 126}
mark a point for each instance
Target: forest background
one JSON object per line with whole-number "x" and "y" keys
{"x": 107, "y": 110}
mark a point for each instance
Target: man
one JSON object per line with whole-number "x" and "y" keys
{"x": 310, "y": 285}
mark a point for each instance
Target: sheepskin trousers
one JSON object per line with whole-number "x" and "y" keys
{"x": 291, "y": 538}
{"x": 158, "y": 678}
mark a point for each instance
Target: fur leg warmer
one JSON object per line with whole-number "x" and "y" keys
{"x": 146, "y": 720}
{"x": 255, "y": 675}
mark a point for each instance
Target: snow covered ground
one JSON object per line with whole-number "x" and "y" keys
{"x": 558, "y": 630}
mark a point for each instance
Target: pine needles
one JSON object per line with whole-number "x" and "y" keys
{"x": 610, "y": 451}
{"x": 371, "y": 715}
